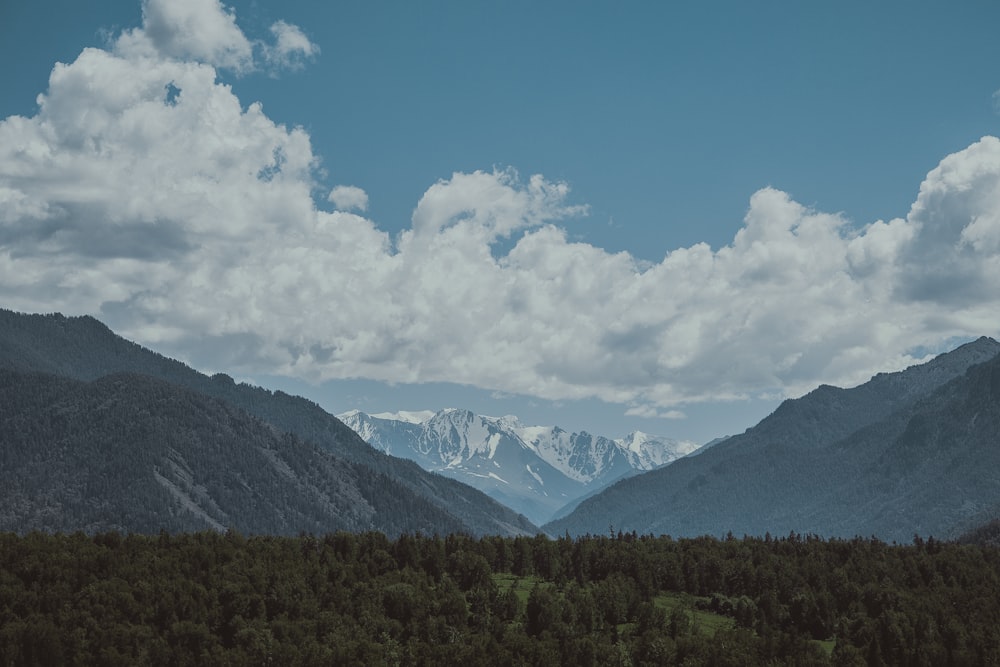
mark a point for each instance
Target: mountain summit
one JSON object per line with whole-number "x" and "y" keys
{"x": 536, "y": 470}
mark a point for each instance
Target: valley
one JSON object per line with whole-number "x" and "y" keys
{"x": 102, "y": 434}
{"x": 866, "y": 523}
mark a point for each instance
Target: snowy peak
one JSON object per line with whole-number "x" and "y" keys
{"x": 417, "y": 417}
{"x": 579, "y": 456}
{"x": 458, "y": 435}
{"x": 647, "y": 452}
{"x": 533, "y": 469}
{"x": 634, "y": 441}
{"x": 509, "y": 422}
{"x": 454, "y": 435}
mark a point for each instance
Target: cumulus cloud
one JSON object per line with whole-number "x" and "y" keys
{"x": 349, "y": 197}
{"x": 206, "y": 31}
{"x": 201, "y": 30}
{"x": 291, "y": 47}
{"x": 144, "y": 193}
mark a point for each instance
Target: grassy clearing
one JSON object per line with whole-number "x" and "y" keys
{"x": 703, "y": 622}
{"x": 826, "y": 644}
{"x": 706, "y": 623}
{"x": 520, "y": 585}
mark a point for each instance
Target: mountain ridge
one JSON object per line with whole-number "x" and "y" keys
{"x": 85, "y": 349}
{"x": 132, "y": 453}
{"x": 792, "y": 471}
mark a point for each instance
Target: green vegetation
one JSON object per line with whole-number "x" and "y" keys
{"x": 520, "y": 587}
{"x": 349, "y": 598}
{"x": 701, "y": 621}
{"x": 826, "y": 645}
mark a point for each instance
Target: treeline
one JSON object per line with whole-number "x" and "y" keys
{"x": 347, "y": 598}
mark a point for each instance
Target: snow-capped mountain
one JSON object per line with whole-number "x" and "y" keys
{"x": 536, "y": 470}
{"x": 646, "y": 451}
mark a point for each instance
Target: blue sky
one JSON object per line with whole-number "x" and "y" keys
{"x": 831, "y": 159}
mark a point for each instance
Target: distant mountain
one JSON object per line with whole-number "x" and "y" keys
{"x": 536, "y": 470}
{"x": 908, "y": 452}
{"x": 83, "y": 349}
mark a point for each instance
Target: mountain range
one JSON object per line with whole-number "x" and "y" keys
{"x": 99, "y": 433}
{"x": 535, "y": 470}
{"x": 912, "y": 452}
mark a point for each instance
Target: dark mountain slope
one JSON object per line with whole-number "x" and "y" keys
{"x": 986, "y": 535}
{"x": 132, "y": 453}
{"x": 811, "y": 466}
{"x": 933, "y": 466}
{"x": 83, "y": 348}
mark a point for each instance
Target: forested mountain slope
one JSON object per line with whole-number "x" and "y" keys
{"x": 84, "y": 349}
{"x": 131, "y": 453}
{"x": 908, "y": 452}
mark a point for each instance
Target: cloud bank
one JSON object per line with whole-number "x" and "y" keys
{"x": 144, "y": 193}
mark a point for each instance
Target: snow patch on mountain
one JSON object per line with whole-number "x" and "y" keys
{"x": 410, "y": 417}
{"x": 533, "y": 469}
{"x": 648, "y": 452}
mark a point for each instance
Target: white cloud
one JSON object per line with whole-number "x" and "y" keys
{"x": 202, "y": 30}
{"x": 349, "y": 197}
{"x": 291, "y": 47}
{"x": 650, "y": 412}
{"x": 205, "y": 31}
{"x": 187, "y": 222}
{"x": 952, "y": 259}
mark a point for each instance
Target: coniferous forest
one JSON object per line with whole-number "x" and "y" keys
{"x": 621, "y": 599}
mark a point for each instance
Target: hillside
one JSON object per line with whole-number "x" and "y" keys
{"x": 131, "y": 453}
{"x": 908, "y": 452}
{"x": 82, "y": 348}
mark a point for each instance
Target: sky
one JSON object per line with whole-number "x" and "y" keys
{"x": 651, "y": 216}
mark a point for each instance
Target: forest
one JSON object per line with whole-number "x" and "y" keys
{"x": 619, "y": 599}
